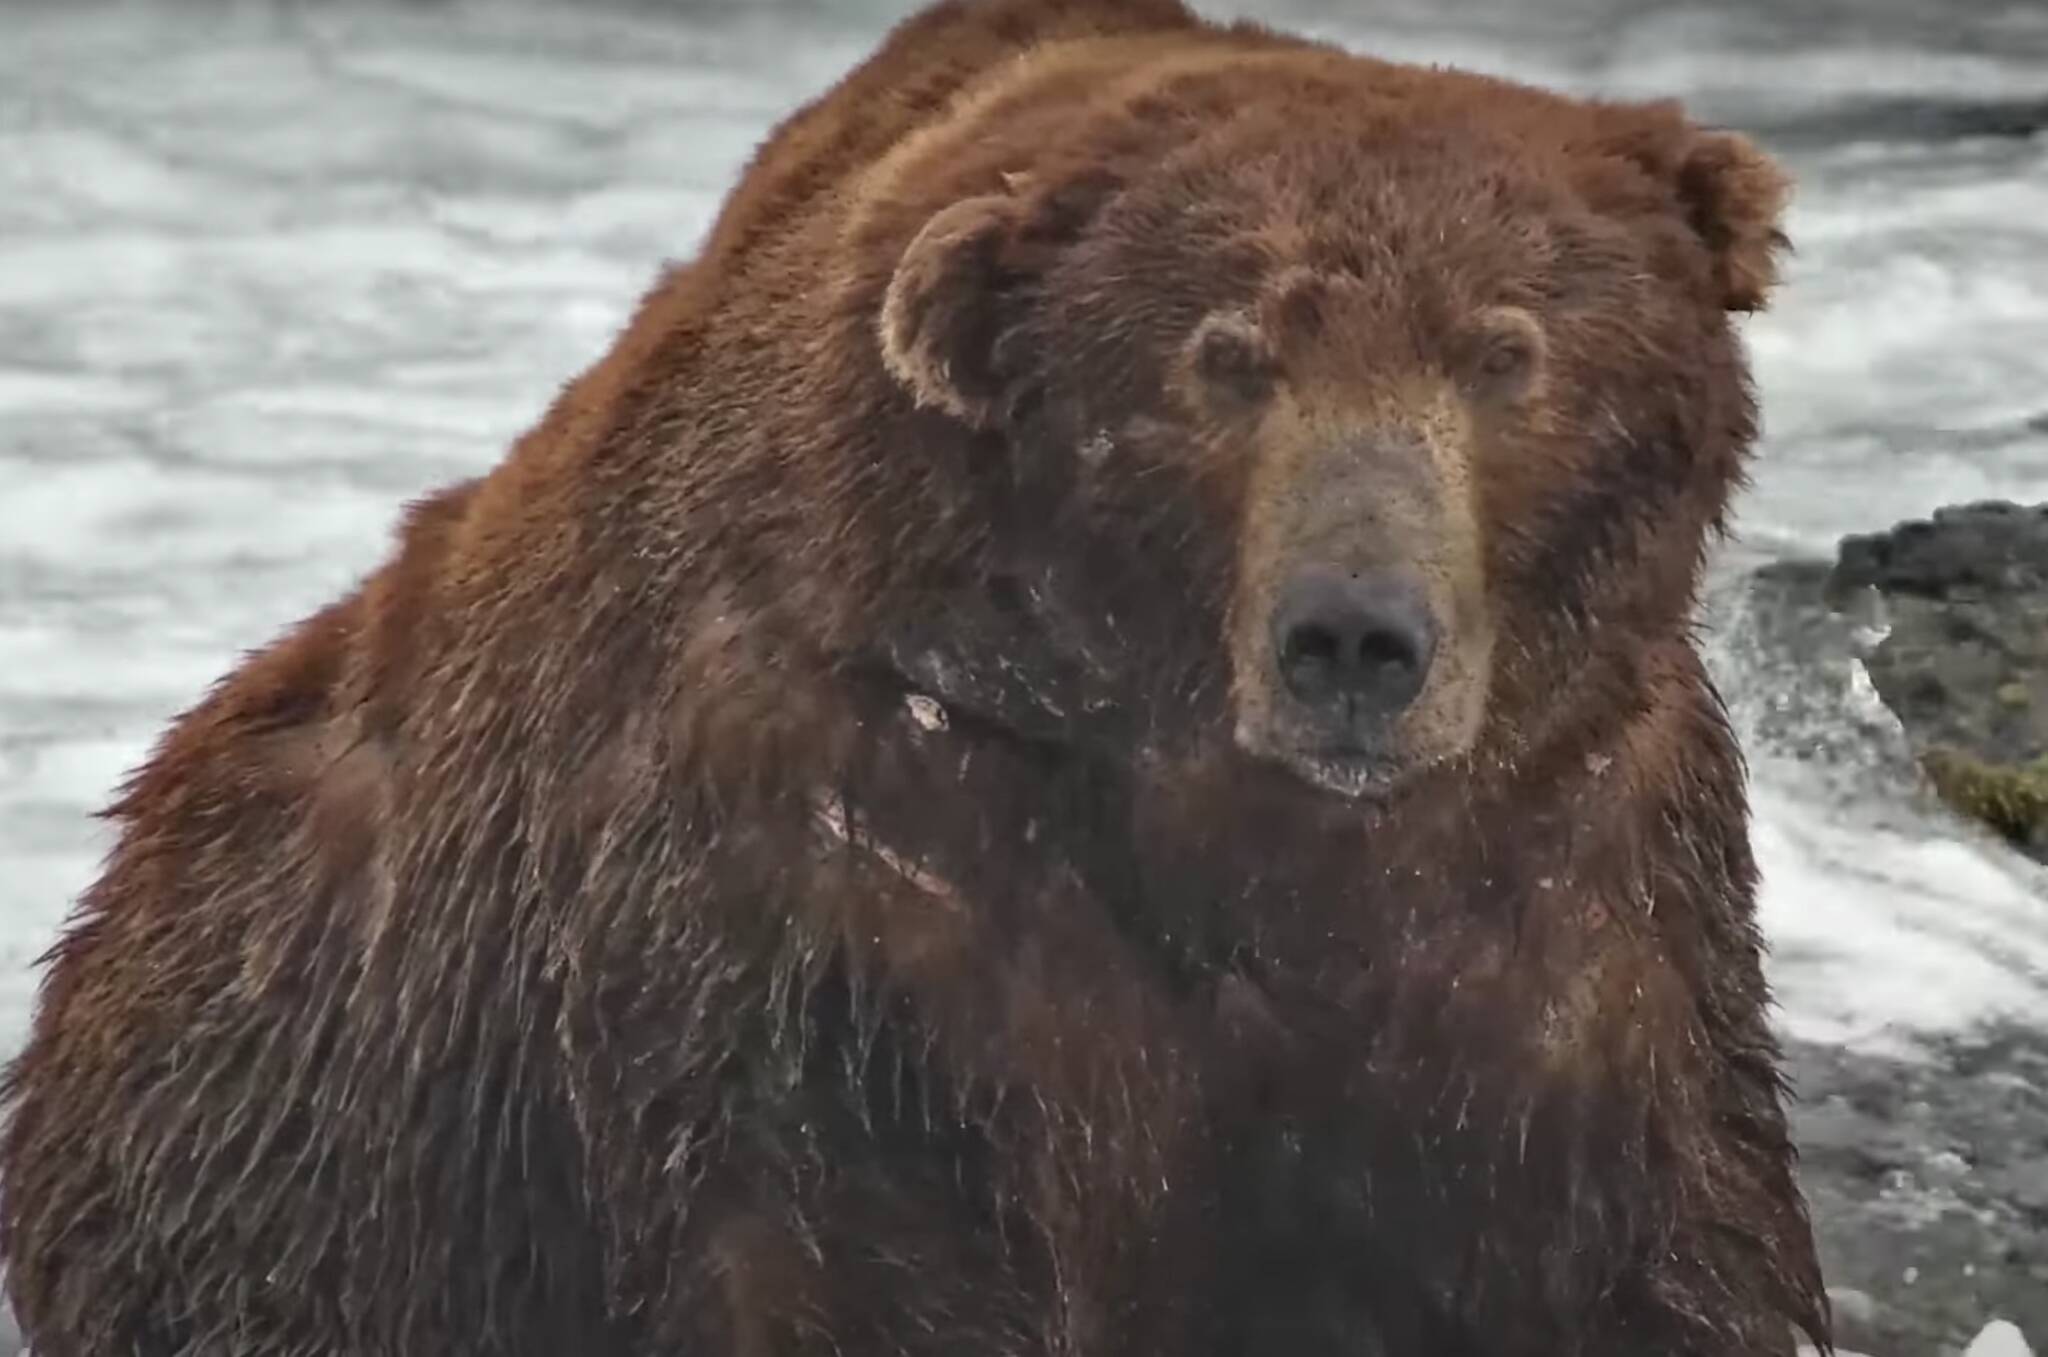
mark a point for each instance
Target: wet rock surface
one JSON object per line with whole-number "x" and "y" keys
{"x": 1928, "y": 1182}
{"x": 1961, "y": 601}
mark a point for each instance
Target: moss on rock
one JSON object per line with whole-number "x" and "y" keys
{"x": 2011, "y": 798}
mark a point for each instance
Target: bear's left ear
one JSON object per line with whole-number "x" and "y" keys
{"x": 1736, "y": 197}
{"x": 1732, "y": 193}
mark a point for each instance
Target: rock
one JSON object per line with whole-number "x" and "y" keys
{"x": 1924, "y": 1181}
{"x": 1961, "y": 602}
{"x": 1989, "y": 547}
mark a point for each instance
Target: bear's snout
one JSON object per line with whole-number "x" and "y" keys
{"x": 1361, "y": 633}
{"x": 1353, "y": 649}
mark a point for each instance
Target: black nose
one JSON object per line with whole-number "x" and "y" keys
{"x": 1359, "y": 641}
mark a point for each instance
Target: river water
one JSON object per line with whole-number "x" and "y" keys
{"x": 269, "y": 269}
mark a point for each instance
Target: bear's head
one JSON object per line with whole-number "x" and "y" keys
{"x": 1374, "y": 419}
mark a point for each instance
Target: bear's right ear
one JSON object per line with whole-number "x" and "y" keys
{"x": 940, "y": 316}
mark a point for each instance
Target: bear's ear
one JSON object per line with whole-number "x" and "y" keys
{"x": 1736, "y": 197}
{"x": 1732, "y": 193}
{"x": 941, "y": 314}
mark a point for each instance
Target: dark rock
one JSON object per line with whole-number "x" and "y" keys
{"x": 1961, "y": 600}
{"x": 1961, "y": 551}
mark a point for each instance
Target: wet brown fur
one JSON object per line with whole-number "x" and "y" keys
{"x": 572, "y": 942}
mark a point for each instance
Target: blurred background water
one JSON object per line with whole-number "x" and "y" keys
{"x": 269, "y": 269}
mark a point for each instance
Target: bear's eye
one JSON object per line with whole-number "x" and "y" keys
{"x": 1505, "y": 355}
{"x": 1230, "y": 356}
{"x": 1504, "y": 359}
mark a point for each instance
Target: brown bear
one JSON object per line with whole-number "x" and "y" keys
{"x": 1085, "y": 741}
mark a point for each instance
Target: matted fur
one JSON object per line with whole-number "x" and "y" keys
{"x": 767, "y": 870}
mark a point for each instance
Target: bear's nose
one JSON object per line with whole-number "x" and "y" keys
{"x": 1361, "y": 642}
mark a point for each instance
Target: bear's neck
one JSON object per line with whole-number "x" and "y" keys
{"x": 1503, "y": 970}
{"x": 1625, "y": 833}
